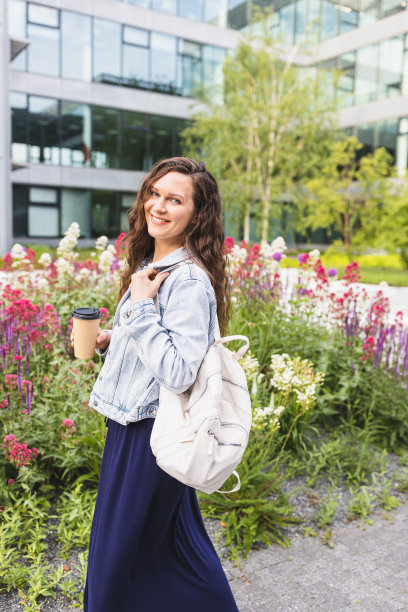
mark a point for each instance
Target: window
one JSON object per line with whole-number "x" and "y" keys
{"x": 127, "y": 201}
{"x": 76, "y": 46}
{"x": 105, "y": 213}
{"x": 191, "y": 9}
{"x": 105, "y": 146}
{"x": 134, "y": 141}
{"x": 43, "y": 212}
{"x": 76, "y": 134}
{"x": 76, "y": 206}
{"x": 106, "y": 58}
{"x": 43, "y": 130}
{"x": 189, "y": 72}
{"x": 43, "y": 32}
{"x": 330, "y": 19}
{"x": 161, "y": 138}
{"x": 166, "y": 6}
{"x": 19, "y": 134}
{"x": 163, "y": 58}
{"x": 136, "y": 57}
{"x": 366, "y": 76}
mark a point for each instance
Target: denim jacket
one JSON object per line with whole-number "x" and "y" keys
{"x": 147, "y": 350}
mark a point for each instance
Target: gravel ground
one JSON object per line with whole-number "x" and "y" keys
{"x": 305, "y": 501}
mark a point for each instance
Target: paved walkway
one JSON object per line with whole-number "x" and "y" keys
{"x": 367, "y": 570}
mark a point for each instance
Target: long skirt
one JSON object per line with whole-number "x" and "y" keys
{"x": 149, "y": 550}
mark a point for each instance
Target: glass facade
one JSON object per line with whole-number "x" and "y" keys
{"x": 59, "y": 132}
{"x": 74, "y": 46}
{"x": 47, "y": 212}
{"x": 291, "y": 16}
{"x": 371, "y": 73}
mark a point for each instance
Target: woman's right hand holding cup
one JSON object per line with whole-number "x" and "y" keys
{"x": 102, "y": 339}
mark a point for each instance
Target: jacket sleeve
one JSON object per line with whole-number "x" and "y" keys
{"x": 174, "y": 347}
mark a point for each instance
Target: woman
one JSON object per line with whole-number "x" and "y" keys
{"x": 149, "y": 550}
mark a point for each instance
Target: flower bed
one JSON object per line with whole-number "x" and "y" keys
{"x": 328, "y": 368}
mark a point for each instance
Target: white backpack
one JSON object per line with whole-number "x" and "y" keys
{"x": 199, "y": 436}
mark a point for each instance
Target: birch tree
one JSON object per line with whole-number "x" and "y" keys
{"x": 267, "y": 131}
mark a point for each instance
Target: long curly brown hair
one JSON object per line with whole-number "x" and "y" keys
{"x": 203, "y": 239}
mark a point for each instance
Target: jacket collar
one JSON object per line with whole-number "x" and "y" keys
{"x": 170, "y": 259}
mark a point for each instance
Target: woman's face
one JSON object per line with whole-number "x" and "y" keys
{"x": 170, "y": 208}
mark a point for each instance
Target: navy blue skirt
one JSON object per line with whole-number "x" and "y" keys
{"x": 149, "y": 550}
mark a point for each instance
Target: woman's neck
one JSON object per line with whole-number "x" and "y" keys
{"x": 162, "y": 250}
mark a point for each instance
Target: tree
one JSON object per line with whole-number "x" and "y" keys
{"x": 267, "y": 130}
{"x": 393, "y": 231}
{"x": 348, "y": 194}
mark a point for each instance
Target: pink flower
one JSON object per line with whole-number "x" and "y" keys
{"x": 11, "y": 481}
{"x": 68, "y": 424}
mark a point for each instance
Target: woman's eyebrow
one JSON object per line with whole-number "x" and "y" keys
{"x": 178, "y": 195}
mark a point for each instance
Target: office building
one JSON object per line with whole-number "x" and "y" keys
{"x": 103, "y": 89}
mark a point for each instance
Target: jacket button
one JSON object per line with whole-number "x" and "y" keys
{"x": 129, "y": 313}
{"x": 96, "y": 403}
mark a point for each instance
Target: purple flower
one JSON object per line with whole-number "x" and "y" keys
{"x": 277, "y": 256}
{"x": 332, "y": 272}
{"x": 303, "y": 257}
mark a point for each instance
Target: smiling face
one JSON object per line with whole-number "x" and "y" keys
{"x": 169, "y": 209}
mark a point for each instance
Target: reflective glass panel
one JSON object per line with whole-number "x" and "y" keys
{"x": 105, "y": 147}
{"x": 136, "y": 66}
{"x": 17, "y": 18}
{"x": 369, "y": 12}
{"x": 284, "y": 19}
{"x": 76, "y": 46}
{"x": 215, "y": 12}
{"x": 300, "y": 18}
{"x": 161, "y": 137}
{"x": 367, "y": 74}
{"x": 43, "y": 50}
{"x": 348, "y": 19}
{"x": 76, "y": 206}
{"x": 330, "y": 19}
{"x": 106, "y": 58}
{"x": 43, "y": 221}
{"x": 43, "y": 195}
{"x": 189, "y": 73}
{"x": 390, "y": 67}
{"x": 389, "y": 7}
{"x": 76, "y": 134}
{"x": 191, "y": 9}
{"x": 44, "y": 137}
{"x": 136, "y": 36}
{"x": 105, "y": 213}
{"x": 19, "y": 210}
{"x": 387, "y": 135}
{"x": 134, "y": 120}
{"x": 237, "y": 14}
{"x": 166, "y": 6}
{"x": 346, "y": 63}
{"x": 45, "y": 106}
{"x": 163, "y": 60}
{"x": 43, "y": 15}
{"x": 213, "y": 59}
{"x": 365, "y": 134}
{"x": 134, "y": 150}
{"x": 19, "y": 134}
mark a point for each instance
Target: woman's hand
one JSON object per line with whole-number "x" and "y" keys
{"x": 102, "y": 339}
{"x": 145, "y": 284}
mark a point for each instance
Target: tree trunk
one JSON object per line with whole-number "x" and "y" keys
{"x": 246, "y": 225}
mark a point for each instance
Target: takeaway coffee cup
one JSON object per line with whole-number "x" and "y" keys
{"x": 85, "y": 328}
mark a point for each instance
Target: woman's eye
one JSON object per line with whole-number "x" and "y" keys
{"x": 176, "y": 200}
{"x": 154, "y": 194}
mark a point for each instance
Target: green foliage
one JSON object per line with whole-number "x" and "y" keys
{"x": 345, "y": 196}
{"x": 279, "y": 120}
{"x": 325, "y": 513}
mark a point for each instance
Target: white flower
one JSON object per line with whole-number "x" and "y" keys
{"x": 17, "y": 251}
{"x": 64, "y": 267}
{"x": 279, "y": 245}
{"x": 101, "y": 243}
{"x": 278, "y": 411}
{"x": 84, "y": 273}
{"x": 43, "y": 284}
{"x": 314, "y": 255}
{"x": 93, "y": 254}
{"x": 105, "y": 261}
{"x": 45, "y": 260}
